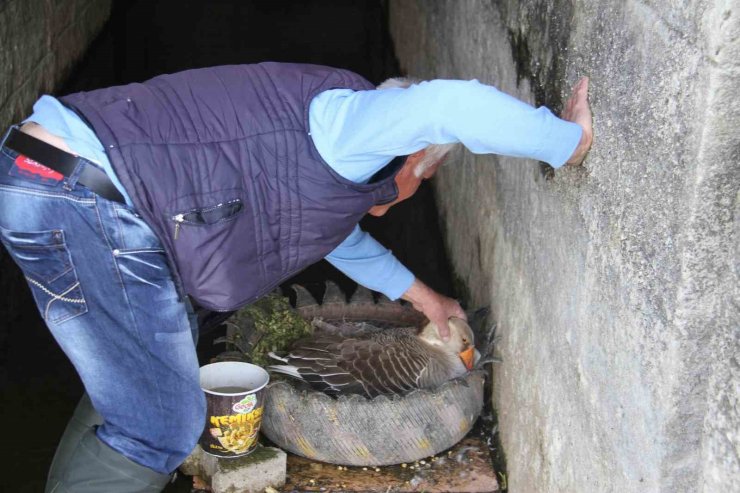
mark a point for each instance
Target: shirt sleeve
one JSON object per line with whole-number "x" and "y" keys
{"x": 364, "y": 129}
{"x": 361, "y": 258}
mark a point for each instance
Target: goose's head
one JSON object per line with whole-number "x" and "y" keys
{"x": 461, "y": 341}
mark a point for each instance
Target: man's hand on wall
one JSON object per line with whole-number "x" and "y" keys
{"x": 436, "y": 307}
{"x": 577, "y": 110}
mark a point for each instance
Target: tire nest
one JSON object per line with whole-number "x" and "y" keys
{"x": 357, "y": 431}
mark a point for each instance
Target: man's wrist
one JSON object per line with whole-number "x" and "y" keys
{"x": 419, "y": 294}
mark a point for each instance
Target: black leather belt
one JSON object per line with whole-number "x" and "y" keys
{"x": 65, "y": 163}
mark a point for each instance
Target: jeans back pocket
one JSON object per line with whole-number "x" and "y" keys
{"x": 47, "y": 266}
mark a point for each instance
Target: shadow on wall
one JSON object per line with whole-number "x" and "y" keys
{"x": 539, "y": 32}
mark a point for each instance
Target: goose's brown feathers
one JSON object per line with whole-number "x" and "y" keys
{"x": 392, "y": 361}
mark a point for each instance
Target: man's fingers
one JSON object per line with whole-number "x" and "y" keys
{"x": 443, "y": 329}
{"x": 578, "y": 90}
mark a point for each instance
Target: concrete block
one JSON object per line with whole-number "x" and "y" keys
{"x": 191, "y": 465}
{"x": 263, "y": 468}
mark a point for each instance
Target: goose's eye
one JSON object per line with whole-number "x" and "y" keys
{"x": 465, "y": 340}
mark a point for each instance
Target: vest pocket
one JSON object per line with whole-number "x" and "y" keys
{"x": 215, "y": 247}
{"x": 206, "y": 216}
{"x": 47, "y": 266}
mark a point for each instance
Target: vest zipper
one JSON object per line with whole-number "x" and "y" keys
{"x": 179, "y": 219}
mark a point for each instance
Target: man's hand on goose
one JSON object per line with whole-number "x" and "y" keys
{"x": 436, "y": 307}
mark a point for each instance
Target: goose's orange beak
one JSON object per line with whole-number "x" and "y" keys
{"x": 468, "y": 357}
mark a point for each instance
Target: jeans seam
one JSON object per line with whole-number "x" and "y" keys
{"x": 119, "y": 228}
{"x": 65, "y": 272}
{"x": 122, "y": 236}
{"x": 104, "y": 234}
{"x": 60, "y": 297}
{"x": 128, "y": 302}
{"x": 46, "y": 288}
{"x": 70, "y": 317}
{"x": 54, "y": 195}
{"x": 44, "y": 248}
{"x": 7, "y": 154}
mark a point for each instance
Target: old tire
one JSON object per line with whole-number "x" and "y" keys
{"x": 354, "y": 430}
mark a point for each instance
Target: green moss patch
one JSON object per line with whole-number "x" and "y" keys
{"x": 260, "y": 454}
{"x": 269, "y": 324}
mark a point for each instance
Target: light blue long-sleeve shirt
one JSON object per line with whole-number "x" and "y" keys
{"x": 359, "y": 132}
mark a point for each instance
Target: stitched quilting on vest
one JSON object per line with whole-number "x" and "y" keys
{"x": 220, "y": 163}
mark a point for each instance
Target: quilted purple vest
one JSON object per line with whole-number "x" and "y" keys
{"x": 220, "y": 163}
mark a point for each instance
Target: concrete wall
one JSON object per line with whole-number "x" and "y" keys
{"x": 40, "y": 40}
{"x": 615, "y": 286}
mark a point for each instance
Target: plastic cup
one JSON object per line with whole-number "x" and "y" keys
{"x": 235, "y": 394}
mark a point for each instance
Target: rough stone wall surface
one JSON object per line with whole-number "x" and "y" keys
{"x": 39, "y": 42}
{"x": 616, "y": 286}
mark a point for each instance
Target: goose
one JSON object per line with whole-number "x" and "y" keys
{"x": 390, "y": 361}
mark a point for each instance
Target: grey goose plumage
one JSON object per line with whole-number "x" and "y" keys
{"x": 391, "y": 361}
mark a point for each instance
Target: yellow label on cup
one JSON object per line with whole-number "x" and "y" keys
{"x": 236, "y": 433}
{"x": 234, "y": 396}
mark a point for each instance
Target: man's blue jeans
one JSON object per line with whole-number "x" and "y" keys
{"x": 102, "y": 283}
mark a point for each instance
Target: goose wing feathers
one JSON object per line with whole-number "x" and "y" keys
{"x": 388, "y": 362}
